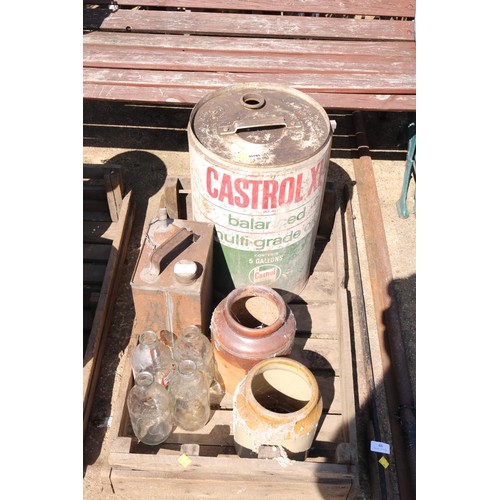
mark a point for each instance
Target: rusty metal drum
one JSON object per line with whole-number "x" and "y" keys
{"x": 278, "y": 404}
{"x": 251, "y": 324}
{"x": 259, "y": 157}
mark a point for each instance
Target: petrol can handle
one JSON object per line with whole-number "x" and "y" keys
{"x": 179, "y": 236}
{"x": 255, "y": 122}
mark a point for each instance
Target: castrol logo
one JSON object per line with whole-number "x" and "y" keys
{"x": 264, "y": 274}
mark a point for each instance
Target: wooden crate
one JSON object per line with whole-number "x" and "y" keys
{"x": 322, "y": 343}
{"x": 107, "y": 223}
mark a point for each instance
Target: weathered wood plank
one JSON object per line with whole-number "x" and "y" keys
{"x": 153, "y": 59}
{"x": 317, "y": 320}
{"x": 114, "y": 192}
{"x": 94, "y": 189}
{"x": 189, "y": 96}
{"x": 218, "y": 432}
{"x": 94, "y": 273}
{"x": 88, "y": 318}
{"x": 319, "y": 288}
{"x": 104, "y": 310}
{"x": 318, "y": 354}
{"x": 205, "y": 81}
{"x": 96, "y": 252}
{"x": 345, "y": 348}
{"x": 96, "y": 210}
{"x": 90, "y": 296}
{"x": 96, "y": 171}
{"x": 206, "y": 23}
{"x": 391, "y": 8}
{"x": 161, "y": 461}
{"x": 217, "y": 485}
{"x": 392, "y": 50}
{"x": 99, "y": 232}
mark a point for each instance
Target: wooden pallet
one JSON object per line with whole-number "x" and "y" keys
{"x": 322, "y": 343}
{"x": 107, "y": 223}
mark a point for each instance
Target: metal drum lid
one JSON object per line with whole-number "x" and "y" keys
{"x": 260, "y": 125}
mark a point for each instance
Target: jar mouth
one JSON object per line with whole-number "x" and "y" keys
{"x": 148, "y": 337}
{"x": 255, "y": 311}
{"x": 144, "y": 378}
{"x": 186, "y": 367}
{"x": 282, "y": 388}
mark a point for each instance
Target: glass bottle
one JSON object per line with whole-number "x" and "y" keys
{"x": 152, "y": 355}
{"x": 192, "y": 344}
{"x": 189, "y": 393}
{"x": 149, "y": 409}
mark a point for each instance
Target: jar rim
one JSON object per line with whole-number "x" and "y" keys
{"x": 285, "y": 364}
{"x": 255, "y": 291}
{"x": 148, "y": 338}
{"x": 144, "y": 378}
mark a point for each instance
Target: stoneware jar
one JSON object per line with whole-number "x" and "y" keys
{"x": 251, "y": 324}
{"x": 278, "y": 403}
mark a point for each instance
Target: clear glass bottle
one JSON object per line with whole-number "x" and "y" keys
{"x": 149, "y": 409}
{"x": 152, "y": 355}
{"x": 192, "y": 344}
{"x": 189, "y": 393}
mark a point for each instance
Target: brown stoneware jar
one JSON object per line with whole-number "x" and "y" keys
{"x": 252, "y": 323}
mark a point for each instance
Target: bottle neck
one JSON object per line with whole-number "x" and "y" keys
{"x": 187, "y": 368}
{"x": 144, "y": 379}
{"x": 148, "y": 340}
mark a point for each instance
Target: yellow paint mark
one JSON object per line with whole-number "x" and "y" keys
{"x": 184, "y": 460}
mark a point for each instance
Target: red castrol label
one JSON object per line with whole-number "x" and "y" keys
{"x": 265, "y": 214}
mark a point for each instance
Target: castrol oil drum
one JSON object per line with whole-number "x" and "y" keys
{"x": 259, "y": 156}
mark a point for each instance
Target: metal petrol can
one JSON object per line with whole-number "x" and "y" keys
{"x": 259, "y": 157}
{"x": 172, "y": 280}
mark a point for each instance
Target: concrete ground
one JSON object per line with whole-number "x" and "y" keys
{"x": 148, "y": 142}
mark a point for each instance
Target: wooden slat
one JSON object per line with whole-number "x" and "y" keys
{"x": 204, "y": 23}
{"x": 102, "y": 192}
{"x": 119, "y": 456}
{"x": 103, "y": 313}
{"x": 317, "y": 320}
{"x": 88, "y": 318}
{"x": 114, "y": 192}
{"x": 96, "y": 252}
{"x": 90, "y": 296}
{"x": 99, "y": 232}
{"x": 158, "y": 59}
{"x": 93, "y": 273}
{"x": 320, "y": 288}
{"x": 131, "y": 484}
{"x": 218, "y": 432}
{"x": 95, "y": 171}
{"x": 190, "y": 96}
{"x": 207, "y": 477}
{"x": 97, "y": 210}
{"x": 347, "y": 390}
{"x": 265, "y": 46}
{"x": 205, "y": 81}
{"x": 391, "y": 8}
{"x": 94, "y": 190}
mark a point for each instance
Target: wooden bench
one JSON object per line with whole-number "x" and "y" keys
{"x": 350, "y": 54}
